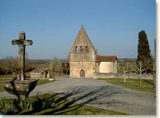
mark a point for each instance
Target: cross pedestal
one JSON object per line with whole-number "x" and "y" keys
{"x": 21, "y": 87}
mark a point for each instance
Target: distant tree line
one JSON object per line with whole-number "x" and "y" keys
{"x": 9, "y": 65}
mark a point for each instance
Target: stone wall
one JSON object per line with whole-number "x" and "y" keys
{"x": 82, "y": 56}
{"x": 119, "y": 75}
{"x": 75, "y": 68}
{"x": 39, "y": 75}
{"x": 108, "y": 67}
{"x": 35, "y": 75}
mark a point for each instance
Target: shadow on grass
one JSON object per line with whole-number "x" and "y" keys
{"x": 77, "y": 100}
{"x": 149, "y": 82}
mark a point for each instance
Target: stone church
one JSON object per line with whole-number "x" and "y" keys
{"x": 84, "y": 60}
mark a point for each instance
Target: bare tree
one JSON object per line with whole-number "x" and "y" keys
{"x": 140, "y": 73}
{"x": 55, "y": 66}
{"x": 139, "y": 70}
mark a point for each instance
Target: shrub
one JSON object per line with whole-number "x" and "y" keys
{"x": 32, "y": 103}
{"x": 35, "y": 103}
{"x": 47, "y": 101}
{"x": 8, "y": 104}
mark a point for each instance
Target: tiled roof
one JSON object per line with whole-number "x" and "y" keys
{"x": 40, "y": 70}
{"x": 106, "y": 58}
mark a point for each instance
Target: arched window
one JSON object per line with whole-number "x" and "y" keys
{"x": 76, "y": 49}
{"x": 81, "y": 49}
{"x": 86, "y": 49}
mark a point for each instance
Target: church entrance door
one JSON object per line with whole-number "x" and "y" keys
{"x": 82, "y": 73}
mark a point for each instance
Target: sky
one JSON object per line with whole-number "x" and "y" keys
{"x": 52, "y": 25}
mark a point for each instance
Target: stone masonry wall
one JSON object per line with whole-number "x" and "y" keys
{"x": 119, "y": 75}
{"x": 75, "y": 68}
{"x": 35, "y": 75}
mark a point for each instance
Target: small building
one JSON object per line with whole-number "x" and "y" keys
{"x": 107, "y": 64}
{"x": 40, "y": 73}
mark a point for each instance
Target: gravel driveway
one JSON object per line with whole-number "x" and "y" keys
{"x": 100, "y": 93}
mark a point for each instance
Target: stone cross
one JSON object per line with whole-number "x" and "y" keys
{"x": 21, "y": 56}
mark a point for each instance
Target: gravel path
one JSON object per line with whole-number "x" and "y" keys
{"x": 100, "y": 94}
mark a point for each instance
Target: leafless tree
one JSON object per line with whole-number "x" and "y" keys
{"x": 130, "y": 67}
{"x": 55, "y": 66}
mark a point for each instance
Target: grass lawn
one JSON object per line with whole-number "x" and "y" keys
{"x": 53, "y": 105}
{"x": 1, "y": 83}
{"x": 78, "y": 110}
{"x": 147, "y": 85}
{"x": 42, "y": 81}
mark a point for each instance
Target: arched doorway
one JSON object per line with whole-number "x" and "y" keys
{"x": 82, "y": 73}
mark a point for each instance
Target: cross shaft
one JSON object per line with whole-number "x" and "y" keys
{"x": 21, "y": 54}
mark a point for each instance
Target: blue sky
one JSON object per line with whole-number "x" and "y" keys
{"x": 112, "y": 25}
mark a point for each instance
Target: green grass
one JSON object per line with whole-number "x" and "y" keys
{"x": 89, "y": 110}
{"x": 44, "y": 81}
{"x": 41, "y": 81}
{"x": 1, "y": 83}
{"x": 61, "y": 106}
{"x": 79, "y": 110}
{"x": 147, "y": 85}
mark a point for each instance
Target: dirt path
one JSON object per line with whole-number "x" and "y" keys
{"x": 100, "y": 94}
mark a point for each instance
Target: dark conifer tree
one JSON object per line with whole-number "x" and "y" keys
{"x": 144, "y": 53}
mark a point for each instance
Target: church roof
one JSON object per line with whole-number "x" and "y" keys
{"x": 83, "y": 33}
{"x": 82, "y": 30}
{"x": 106, "y": 58}
{"x": 82, "y": 38}
{"x": 82, "y": 48}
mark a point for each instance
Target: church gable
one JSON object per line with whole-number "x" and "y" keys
{"x": 82, "y": 38}
{"x": 84, "y": 61}
{"x": 82, "y": 49}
